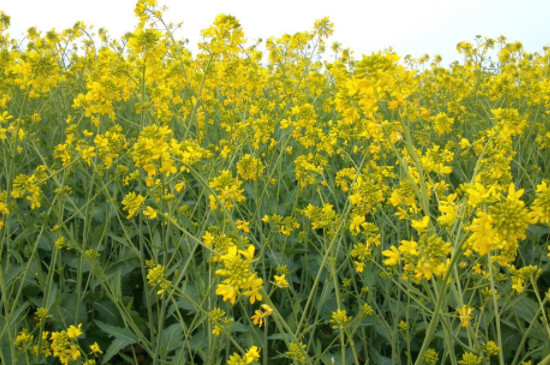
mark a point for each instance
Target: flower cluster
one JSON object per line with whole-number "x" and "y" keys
{"x": 62, "y": 345}
{"x": 227, "y": 189}
{"x": 258, "y": 189}
{"x": 240, "y": 279}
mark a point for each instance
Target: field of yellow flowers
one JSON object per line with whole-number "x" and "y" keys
{"x": 277, "y": 203}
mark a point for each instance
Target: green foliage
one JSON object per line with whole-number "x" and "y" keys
{"x": 232, "y": 207}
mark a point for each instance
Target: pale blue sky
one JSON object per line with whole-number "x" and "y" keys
{"x": 415, "y": 27}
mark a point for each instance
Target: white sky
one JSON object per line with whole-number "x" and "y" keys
{"x": 410, "y": 27}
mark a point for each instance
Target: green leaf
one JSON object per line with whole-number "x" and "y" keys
{"x": 123, "y": 241}
{"x": 17, "y": 314}
{"x": 118, "y": 332}
{"x": 171, "y": 338}
{"x": 116, "y": 283}
{"x": 336, "y": 358}
{"x": 73, "y": 310}
{"x": 239, "y": 327}
{"x": 12, "y": 274}
{"x": 197, "y": 341}
{"x": 526, "y": 308}
{"x": 5, "y": 345}
{"x": 157, "y": 241}
{"x": 114, "y": 348}
{"x": 280, "y": 336}
{"x": 107, "y": 311}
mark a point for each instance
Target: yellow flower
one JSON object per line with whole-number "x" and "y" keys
{"x": 340, "y": 319}
{"x": 392, "y": 256}
{"x": 518, "y": 284}
{"x": 541, "y": 205}
{"x": 421, "y": 225}
{"x": 250, "y": 168}
{"x": 243, "y": 225}
{"x": 465, "y": 315}
{"x": 216, "y": 330}
{"x": 409, "y": 247}
{"x": 74, "y": 332}
{"x": 5, "y": 116}
{"x": 95, "y": 348}
{"x": 87, "y": 133}
{"x": 64, "y": 349}
{"x": 150, "y": 213}
{"x": 239, "y": 275}
{"x": 23, "y": 339}
{"x": 442, "y": 124}
{"x": 483, "y": 238}
{"x": 355, "y": 224}
{"x": 249, "y": 357}
{"x": 132, "y": 203}
{"x": 228, "y": 292}
{"x": 74, "y": 352}
{"x": 296, "y": 352}
{"x": 477, "y": 194}
{"x": 469, "y": 358}
{"x": 156, "y": 276}
{"x": 227, "y": 189}
{"x": 179, "y": 186}
{"x": 42, "y": 313}
{"x": 359, "y": 266}
{"x": 45, "y": 348}
{"x": 464, "y": 143}
{"x": 208, "y": 239}
{"x": 280, "y": 281}
{"x": 430, "y": 357}
{"x": 252, "y": 355}
{"x": 254, "y": 286}
{"x": 321, "y": 217}
{"x": 218, "y": 320}
{"x": 308, "y": 168}
{"x": 490, "y": 348}
{"x": 449, "y": 209}
{"x": 259, "y": 317}
{"x": 93, "y": 254}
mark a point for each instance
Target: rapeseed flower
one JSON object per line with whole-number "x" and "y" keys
{"x": 541, "y": 206}
{"x": 296, "y": 352}
{"x": 252, "y": 355}
{"x": 465, "y": 315}
{"x": 469, "y": 358}
{"x": 228, "y": 190}
{"x": 250, "y": 168}
{"x": 23, "y": 339}
{"x": 74, "y": 332}
{"x": 156, "y": 277}
{"x": 239, "y": 276}
{"x": 280, "y": 281}
{"x": 132, "y": 203}
{"x": 340, "y": 319}
{"x": 260, "y": 317}
{"x": 95, "y": 348}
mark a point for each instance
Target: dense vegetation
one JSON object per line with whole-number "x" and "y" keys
{"x": 277, "y": 203}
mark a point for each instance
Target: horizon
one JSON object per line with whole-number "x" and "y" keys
{"x": 427, "y": 27}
